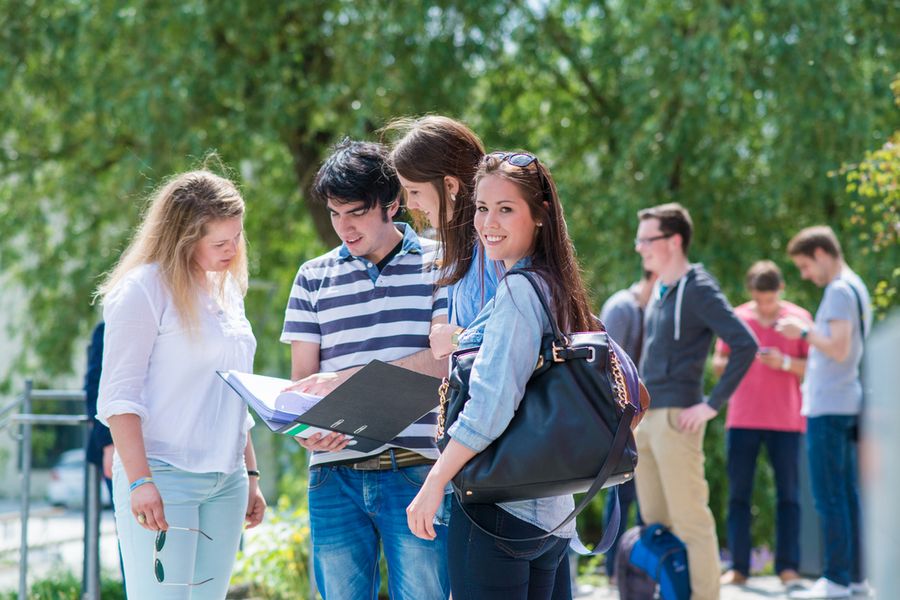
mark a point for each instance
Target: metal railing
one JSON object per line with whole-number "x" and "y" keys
{"x": 26, "y": 420}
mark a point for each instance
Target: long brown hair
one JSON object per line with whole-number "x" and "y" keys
{"x": 553, "y": 257}
{"x": 434, "y": 147}
{"x": 176, "y": 220}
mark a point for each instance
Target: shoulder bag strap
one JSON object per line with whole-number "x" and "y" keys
{"x": 859, "y": 306}
{"x": 557, "y": 332}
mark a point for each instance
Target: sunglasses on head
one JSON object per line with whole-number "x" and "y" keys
{"x": 523, "y": 160}
{"x": 516, "y": 159}
{"x": 158, "y": 569}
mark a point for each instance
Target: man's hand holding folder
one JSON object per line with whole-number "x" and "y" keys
{"x": 322, "y": 384}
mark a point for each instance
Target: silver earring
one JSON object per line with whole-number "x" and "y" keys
{"x": 452, "y": 197}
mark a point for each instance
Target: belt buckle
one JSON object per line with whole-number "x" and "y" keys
{"x": 370, "y": 464}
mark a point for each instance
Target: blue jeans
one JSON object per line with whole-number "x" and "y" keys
{"x": 350, "y": 512}
{"x": 832, "y": 469}
{"x": 212, "y": 502}
{"x": 627, "y": 497}
{"x": 485, "y": 568}
{"x": 783, "y": 448}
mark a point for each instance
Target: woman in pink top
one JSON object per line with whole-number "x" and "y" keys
{"x": 765, "y": 409}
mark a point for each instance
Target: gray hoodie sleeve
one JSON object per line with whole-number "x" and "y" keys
{"x": 717, "y": 314}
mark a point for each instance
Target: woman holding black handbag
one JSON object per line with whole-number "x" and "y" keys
{"x": 520, "y": 221}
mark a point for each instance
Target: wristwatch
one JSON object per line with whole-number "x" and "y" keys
{"x": 786, "y": 363}
{"x": 454, "y": 337}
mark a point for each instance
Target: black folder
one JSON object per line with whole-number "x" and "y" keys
{"x": 377, "y": 402}
{"x": 374, "y": 405}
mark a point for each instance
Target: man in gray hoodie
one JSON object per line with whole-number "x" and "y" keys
{"x": 685, "y": 311}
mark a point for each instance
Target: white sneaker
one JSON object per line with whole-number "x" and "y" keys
{"x": 823, "y": 588}
{"x": 861, "y": 588}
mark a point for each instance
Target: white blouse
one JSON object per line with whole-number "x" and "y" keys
{"x": 155, "y": 368}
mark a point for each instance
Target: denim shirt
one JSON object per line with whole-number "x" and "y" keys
{"x": 468, "y": 296}
{"x": 508, "y": 330}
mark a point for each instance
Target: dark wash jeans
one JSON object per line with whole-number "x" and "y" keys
{"x": 783, "y": 448}
{"x": 484, "y": 568}
{"x": 831, "y": 444}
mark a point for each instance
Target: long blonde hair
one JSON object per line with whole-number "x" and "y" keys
{"x": 175, "y": 221}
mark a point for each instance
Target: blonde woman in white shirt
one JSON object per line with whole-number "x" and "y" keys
{"x": 184, "y": 473}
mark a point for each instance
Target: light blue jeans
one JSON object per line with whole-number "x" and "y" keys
{"x": 350, "y": 512}
{"x": 212, "y": 502}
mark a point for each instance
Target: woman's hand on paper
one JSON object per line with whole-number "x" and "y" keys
{"x": 324, "y": 443}
{"x": 318, "y": 384}
{"x": 321, "y": 384}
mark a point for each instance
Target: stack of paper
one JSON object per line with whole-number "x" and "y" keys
{"x": 265, "y": 396}
{"x": 279, "y": 410}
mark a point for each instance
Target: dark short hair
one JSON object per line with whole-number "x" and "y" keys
{"x": 357, "y": 172}
{"x": 673, "y": 218}
{"x": 819, "y": 236}
{"x": 764, "y": 276}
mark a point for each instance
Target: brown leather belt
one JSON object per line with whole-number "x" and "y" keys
{"x": 383, "y": 462}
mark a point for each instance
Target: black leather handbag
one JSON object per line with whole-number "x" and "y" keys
{"x": 571, "y": 432}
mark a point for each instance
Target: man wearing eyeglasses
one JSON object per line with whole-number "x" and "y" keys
{"x": 686, "y": 310}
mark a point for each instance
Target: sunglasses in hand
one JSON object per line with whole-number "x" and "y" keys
{"x": 157, "y": 564}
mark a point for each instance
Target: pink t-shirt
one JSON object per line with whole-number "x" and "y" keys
{"x": 768, "y": 398}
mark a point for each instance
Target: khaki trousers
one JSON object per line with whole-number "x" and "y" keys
{"x": 672, "y": 490}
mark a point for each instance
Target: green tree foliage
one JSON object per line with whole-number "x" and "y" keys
{"x": 875, "y": 183}
{"x": 738, "y": 110}
{"x": 102, "y": 100}
{"x": 735, "y": 109}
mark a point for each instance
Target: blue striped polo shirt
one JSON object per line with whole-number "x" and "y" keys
{"x": 357, "y": 314}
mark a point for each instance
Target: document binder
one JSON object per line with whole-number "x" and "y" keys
{"x": 373, "y": 406}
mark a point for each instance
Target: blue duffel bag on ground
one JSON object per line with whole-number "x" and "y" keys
{"x": 656, "y": 565}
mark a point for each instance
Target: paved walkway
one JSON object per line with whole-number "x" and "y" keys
{"x": 756, "y": 588}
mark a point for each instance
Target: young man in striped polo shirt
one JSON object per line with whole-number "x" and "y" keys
{"x": 373, "y": 297}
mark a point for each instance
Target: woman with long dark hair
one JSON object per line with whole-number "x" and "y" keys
{"x": 519, "y": 220}
{"x": 436, "y": 160}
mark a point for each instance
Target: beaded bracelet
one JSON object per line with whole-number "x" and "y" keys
{"x": 139, "y": 482}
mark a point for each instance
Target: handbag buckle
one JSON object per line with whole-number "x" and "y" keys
{"x": 556, "y": 350}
